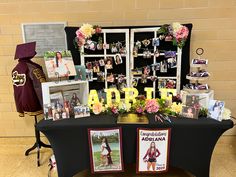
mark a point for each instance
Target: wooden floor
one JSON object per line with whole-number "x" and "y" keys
{"x": 13, "y": 163}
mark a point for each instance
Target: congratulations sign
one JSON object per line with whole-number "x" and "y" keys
{"x": 153, "y": 150}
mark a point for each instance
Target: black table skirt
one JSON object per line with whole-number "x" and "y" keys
{"x": 191, "y": 147}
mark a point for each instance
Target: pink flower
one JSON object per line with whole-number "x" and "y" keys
{"x": 182, "y": 33}
{"x": 152, "y": 106}
{"x": 79, "y": 34}
{"x": 114, "y": 110}
{"x": 140, "y": 110}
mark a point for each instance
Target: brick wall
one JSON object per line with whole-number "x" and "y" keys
{"x": 214, "y": 27}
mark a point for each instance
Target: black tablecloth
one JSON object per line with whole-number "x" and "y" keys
{"x": 191, "y": 147}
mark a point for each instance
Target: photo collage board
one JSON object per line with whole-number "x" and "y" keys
{"x": 155, "y": 63}
{"x": 107, "y": 63}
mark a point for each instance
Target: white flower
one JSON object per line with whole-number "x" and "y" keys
{"x": 176, "y": 26}
{"x": 226, "y": 114}
{"x": 87, "y": 30}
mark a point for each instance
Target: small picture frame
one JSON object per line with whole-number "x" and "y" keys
{"x": 189, "y": 112}
{"x": 47, "y": 109}
{"x": 102, "y": 62}
{"x": 106, "y": 46}
{"x": 109, "y": 63}
{"x": 105, "y": 147}
{"x": 216, "y": 109}
{"x": 90, "y": 45}
{"x": 81, "y": 111}
{"x": 101, "y": 77}
{"x": 118, "y": 59}
{"x": 192, "y": 101}
{"x": 89, "y": 75}
{"x": 110, "y": 78}
{"x": 96, "y": 67}
{"x": 163, "y": 67}
{"x": 172, "y": 62}
{"x": 80, "y": 72}
{"x": 155, "y": 42}
{"x": 89, "y": 65}
{"x": 153, "y": 147}
{"x": 146, "y": 70}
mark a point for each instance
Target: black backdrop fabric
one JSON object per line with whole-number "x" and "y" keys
{"x": 71, "y": 34}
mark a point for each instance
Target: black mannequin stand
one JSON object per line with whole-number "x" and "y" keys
{"x": 38, "y": 144}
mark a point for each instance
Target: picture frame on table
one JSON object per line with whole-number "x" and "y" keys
{"x": 81, "y": 111}
{"x": 153, "y": 146}
{"x": 190, "y": 112}
{"x": 80, "y": 72}
{"x": 60, "y": 98}
{"x": 59, "y": 64}
{"x": 216, "y": 109}
{"x": 105, "y": 145}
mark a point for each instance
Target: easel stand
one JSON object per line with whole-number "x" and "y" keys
{"x": 38, "y": 144}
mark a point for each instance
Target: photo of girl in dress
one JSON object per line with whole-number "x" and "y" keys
{"x": 153, "y": 150}
{"x": 59, "y": 64}
{"x": 106, "y": 153}
{"x": 118, "y": 59}
{"x": 105, "y": 150}
{"x": 109, "y": 63}
{"x": 151, "y": 156}
{"x": 216, "y": 109}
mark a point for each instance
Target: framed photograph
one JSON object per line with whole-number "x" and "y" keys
{"x": 118, "y": 59}
{"x": 81, "y": 111}
{"x": 216, "y": 109}
{"x": 110, "y": 78}
{"x": 80, "y": 72}
{"x": 153, "y": 150}
{"x": 89, "y": 75}
{"x": 89, "y": 65}
{"x": 155, "y": 42}
{"x": 96, "y": 67}
{"x": 105, "y": 146}
{"x": 101, "y": 62}
{"x": 47, "y": 108}
{"x": 189, "y": 112}
{"x": 172, "y": 62}
{"x": 101, "y": 77}
{"x": 109, "y": 63}
{"x": 59, "y": 64}
{"x": 163, "y": 67}
{"x": 192, "y": 101}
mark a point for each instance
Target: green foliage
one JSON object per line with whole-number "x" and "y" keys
{"x": 203, "y": 112}
{"x": 113, "y": 138}
{"x": 51, "y": 54}
{"x": 163, "y": 30}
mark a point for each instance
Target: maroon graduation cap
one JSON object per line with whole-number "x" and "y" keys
{"x": 26, "y": 50}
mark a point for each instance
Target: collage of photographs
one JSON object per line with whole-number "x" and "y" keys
{"x": 65, "y": 104}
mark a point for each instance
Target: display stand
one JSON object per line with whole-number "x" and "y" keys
{"x": 38, "y": 144}
{"x": 196, "y": 80}
{"x": 204, "y": 94}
